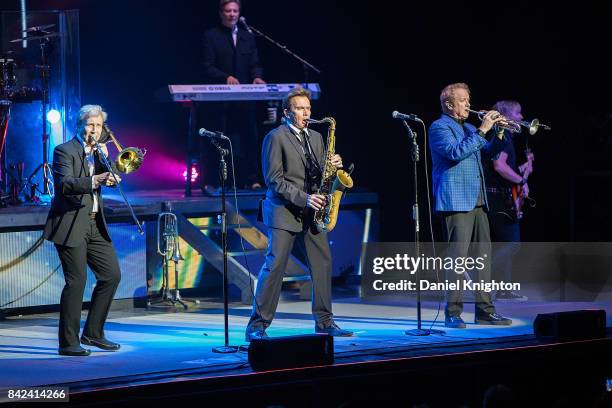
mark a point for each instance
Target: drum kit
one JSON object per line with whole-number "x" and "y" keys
{"x": 12, "y": 92}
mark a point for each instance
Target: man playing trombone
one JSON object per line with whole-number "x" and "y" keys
{"x": 77, "y": 227}
{"x": 460, "y": 197}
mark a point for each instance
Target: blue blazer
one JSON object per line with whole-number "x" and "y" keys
{"x": 457, "y": 171}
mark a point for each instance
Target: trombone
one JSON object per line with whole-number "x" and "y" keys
{"x": 109, "y": 166}
{"x": 514, "y": 126}
{"x": 130, "y": 158}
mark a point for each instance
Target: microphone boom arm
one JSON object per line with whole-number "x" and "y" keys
{"x": 284, "y": 48}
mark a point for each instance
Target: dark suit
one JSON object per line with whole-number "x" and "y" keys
{"x": 80, "y": 241}
{"x": 222, "y": 59}
{"x": 238, "y": 120}
{"x": 289, "y": 222}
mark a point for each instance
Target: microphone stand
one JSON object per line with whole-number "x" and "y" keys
{"x": 222, "y": 218}
{"x": 284, "y": 48}
{"x": 419, "y": 331}
{"x": 106, "y": 163}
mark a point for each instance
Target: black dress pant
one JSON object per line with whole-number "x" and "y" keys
{"x": 468, "y": 234}
{"x": 506, "y": 233}
{"x": 100, "y": 255}
{"x": 270, "y": 281}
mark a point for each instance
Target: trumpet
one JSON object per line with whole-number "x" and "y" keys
{"x": 533, "y": 126}
{"x": 167, "y": 235}
{"x": 514, "y": 126}
{"x": 129, "y": 159}
{"x": 505, "y": 123}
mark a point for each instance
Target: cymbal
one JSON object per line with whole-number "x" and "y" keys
{"x": 36, "y": 37}
{"x": 39, "y": 28}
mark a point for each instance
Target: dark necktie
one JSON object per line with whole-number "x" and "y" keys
{"x": 303, "y": 136}
{"x": 313, "y": 172}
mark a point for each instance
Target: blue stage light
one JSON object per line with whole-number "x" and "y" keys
{"x": 53, "y": 116}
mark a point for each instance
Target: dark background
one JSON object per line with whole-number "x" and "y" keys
{"x": 376, "y": 59}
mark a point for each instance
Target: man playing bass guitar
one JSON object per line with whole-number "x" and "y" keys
{"x": 507, "y": 189}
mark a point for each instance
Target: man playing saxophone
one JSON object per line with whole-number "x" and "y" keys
{"x": 292, "y": 158}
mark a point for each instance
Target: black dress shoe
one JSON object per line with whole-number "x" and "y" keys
{"x": 492, "y": 319}
{"x": 258, "y": 333}
{"x": 101, "y": 343}
{"x": 454, "y": 322}
{"x": 73, "y": 351}
{"x": 333, "y": 330}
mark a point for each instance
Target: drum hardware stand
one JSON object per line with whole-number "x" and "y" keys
{"x": 15, "y": 182}
{"x": 47, "y": 188}
{"x": 5, "y": 116}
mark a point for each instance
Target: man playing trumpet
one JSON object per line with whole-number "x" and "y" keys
{"x": 460, "y": 197}
{"x": 77, "y": 227}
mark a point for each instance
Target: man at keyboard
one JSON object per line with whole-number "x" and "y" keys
{"x": 230, "y": 57}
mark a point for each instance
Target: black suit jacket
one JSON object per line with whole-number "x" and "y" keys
{"x": 68, "y": 217}
{"x": 221, "y": 59}
{"x": 284, "y": 169}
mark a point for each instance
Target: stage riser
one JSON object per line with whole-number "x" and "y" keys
{"x": 28, "y": 264}
{"x": 345, "y": 240}
{"x": 141, "y": 265}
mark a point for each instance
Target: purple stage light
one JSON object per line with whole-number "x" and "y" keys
{"x": 194, "y": 173}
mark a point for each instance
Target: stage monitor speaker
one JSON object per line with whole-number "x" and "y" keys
{"x": 573, "y": 325}
{"x": 307, "y": 350}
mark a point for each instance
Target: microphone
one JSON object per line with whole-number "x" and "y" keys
{"x": 404, "y": 116}
{"x": 213, "y": 135}
{"x": 243, "y": 21}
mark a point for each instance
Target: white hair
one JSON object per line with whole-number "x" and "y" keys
{"x": 90, "y": 111}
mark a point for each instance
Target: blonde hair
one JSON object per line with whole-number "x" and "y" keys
{"x": 448, "y": 93}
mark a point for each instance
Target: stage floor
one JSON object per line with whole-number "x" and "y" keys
{"x": 175, "y": 346}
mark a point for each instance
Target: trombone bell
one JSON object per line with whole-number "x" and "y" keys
{"x": 130, "y": 159}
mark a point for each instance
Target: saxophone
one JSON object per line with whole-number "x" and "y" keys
{"x": 333, "y": 182}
